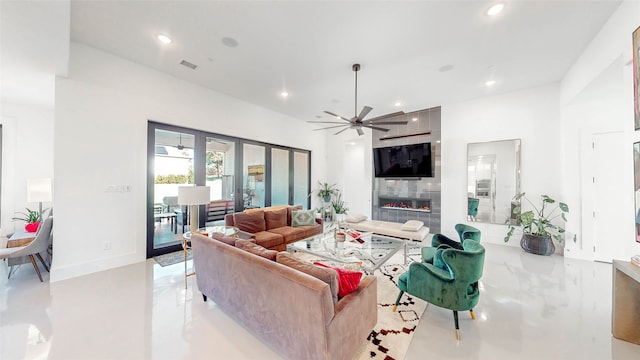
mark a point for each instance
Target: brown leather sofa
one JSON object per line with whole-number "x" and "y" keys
{"x": 289, "y": 309}
{"x": 271, "y": 227}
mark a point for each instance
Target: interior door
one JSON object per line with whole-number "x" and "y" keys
{"x": 608, "y": 170}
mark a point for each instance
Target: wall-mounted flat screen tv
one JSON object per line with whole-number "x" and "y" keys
{"x": 403, "y": 161}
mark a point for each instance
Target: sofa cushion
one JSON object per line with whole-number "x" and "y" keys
{"x": 302, "y": 218}
{"x": 225, "y": 239}
{"x": 256, "y": 249}
{"x": 289, "y": 233}
{"x": 412, "y": 225}
{"x": 250, "y": 222}
{"x": 330, "y": 276}
{"x": 290, "y": 210}
{"x": 348, "y": 280}
{"x": 275, "y": 218}
{"x": 268, "y": 239}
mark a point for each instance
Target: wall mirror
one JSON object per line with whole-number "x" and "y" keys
{"x": 493, "y": 180}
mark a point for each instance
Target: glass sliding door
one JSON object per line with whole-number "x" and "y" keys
{"x": 173, "y": 166}
{"x": 279, "y": 176}
{"x": 220, "y": 170}
{"x": 253, "y": 170}
{"x": 301, "y": 178}
{"x": 242, "y": 174}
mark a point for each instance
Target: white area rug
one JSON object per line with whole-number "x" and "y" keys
{"x": 392, "y": 334}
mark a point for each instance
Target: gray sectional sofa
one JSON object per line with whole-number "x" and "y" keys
{"x": 288, "y": 309}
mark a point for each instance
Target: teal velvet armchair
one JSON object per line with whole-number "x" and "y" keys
{"x": 467, "y": 232}
{"x": 451, "y": 281}
{"x": 464, "y": 232}
{"x": 472, "y": 208}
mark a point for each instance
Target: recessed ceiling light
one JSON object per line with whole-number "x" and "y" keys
{"x": 438, "y": 142}
{"x": 398, "y": 103}
{"x": 414, "y": 119}
{"x": 490, "y": 83}
{"x": 230, "y": 42}
{"x": 164, "y": 39}
{"x": 446, "y": 68}
{"x": 495, "y": 9}
{"x": 284, "y": 94}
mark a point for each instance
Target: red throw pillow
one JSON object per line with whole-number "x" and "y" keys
{"x": 348, "y": 280}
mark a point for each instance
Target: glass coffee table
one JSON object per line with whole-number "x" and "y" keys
{"x": 367, "y": 256}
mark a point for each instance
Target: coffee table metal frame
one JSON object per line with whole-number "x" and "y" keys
{"x": 325, "y": 246}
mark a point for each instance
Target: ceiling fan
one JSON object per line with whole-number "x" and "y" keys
{"x": 357, "y": 122}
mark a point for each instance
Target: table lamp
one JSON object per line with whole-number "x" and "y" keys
{"x": 194, "y": 196}
{"x": 39, "y": 190}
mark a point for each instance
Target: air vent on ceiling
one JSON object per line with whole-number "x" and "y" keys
{"x": 188, "y": 64}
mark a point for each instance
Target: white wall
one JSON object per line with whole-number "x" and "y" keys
{"x": 532, "y": 115}
{"x": 27, "y": 152}
{"x": 102, "y": 110}
{"x": 597, "y": 97}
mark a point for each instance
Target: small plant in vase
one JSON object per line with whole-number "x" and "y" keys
{"x": 32, "y": 219}
{"x": 325, "y": 191}
{"x": 339, "y": 207}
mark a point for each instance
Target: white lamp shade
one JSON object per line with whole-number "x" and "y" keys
{"x": 193, "y": 195}
{"x": 39, "y": 190}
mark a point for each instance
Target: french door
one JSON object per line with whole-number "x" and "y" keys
{"x": 240, "y": 173}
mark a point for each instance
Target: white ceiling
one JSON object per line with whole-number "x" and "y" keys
{"x": 308, "y": 47}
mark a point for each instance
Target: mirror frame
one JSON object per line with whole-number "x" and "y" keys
{"x": 475, "y": 151}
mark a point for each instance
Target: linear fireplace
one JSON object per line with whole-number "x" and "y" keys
{"x": 404, "y": 203}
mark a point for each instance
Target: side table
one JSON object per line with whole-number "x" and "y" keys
{"x": 206, "y": 231}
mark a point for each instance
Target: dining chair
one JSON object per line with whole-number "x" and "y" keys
{"x": 39, "y": 245}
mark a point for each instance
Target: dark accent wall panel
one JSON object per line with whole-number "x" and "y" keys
{"x": 425, "y": 128}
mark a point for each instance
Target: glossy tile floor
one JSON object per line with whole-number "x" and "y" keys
{"x": 531, "y": 307}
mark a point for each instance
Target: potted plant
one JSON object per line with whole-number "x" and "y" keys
{"x": 32, "y": 219}
{"x": 339, "y": 207}
{"x": 537, "y": 225}
{"x": 326, "y": 191}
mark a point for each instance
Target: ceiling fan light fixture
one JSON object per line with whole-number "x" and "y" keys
{"x": 358, "y": 121}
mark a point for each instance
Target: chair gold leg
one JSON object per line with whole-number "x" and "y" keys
{"x": 457, "y": 334}
{"x": 395, "y": 307}
{"x": 473, "y": 316}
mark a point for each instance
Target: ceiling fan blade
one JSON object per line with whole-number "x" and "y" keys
{"x": 365, "y": 111}
{"x": 346, "y": 128}
{"x": 375, "y": 128}
{"x": 338, "y": 116}
{"x": 326, "y": 122}
{"x": 360, "y": 132}
{"x": 385, "y": 116}
{"x": 331, "y": 127}
{"x": 389, "y": 123}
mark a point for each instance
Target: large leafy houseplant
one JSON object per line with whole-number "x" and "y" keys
{"x": 538, "y": 222}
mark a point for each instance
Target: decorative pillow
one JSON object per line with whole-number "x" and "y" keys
{"x": 225, "y": 239}
{"x": 355, "y": 218}
{"x": 303, "y": 218}
{"x": 275, "y": 218}
{"x": 256, "y": 249}
{"x": 348, "y": 280}
{"x": 329, "y": 276}
{"x": 250, "y": 222}
{"x": 412, "y": 225}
